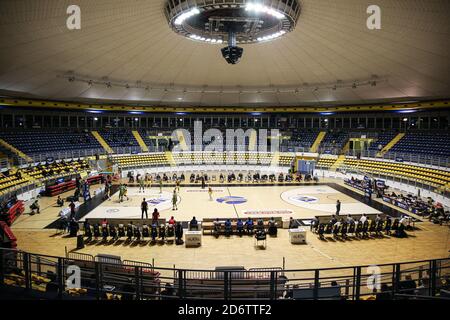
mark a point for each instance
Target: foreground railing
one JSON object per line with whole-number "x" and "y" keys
{"x": 84, "y": 277}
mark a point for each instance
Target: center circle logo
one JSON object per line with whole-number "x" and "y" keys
{"x": 112, "y": 210}
{"x": 156, "y": 201}
{"x": 231, "y": 200}
{"x": 300, "y": 198}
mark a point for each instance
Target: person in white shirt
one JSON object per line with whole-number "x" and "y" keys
{"x": 363, "y": 218}
{"x": 404, "y": 221}
{"x": 337, "y": 224}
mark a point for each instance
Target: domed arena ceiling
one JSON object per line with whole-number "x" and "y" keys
{"x": 169, "y": 52}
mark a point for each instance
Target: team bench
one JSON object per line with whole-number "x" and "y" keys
{"x": 208, "y": 224}
{"x": 125, "y": 221}
{"x": 356, "y": 217}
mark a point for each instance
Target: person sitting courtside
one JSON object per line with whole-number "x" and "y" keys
{"x": 239, "y": 227}
{"x": 228, "y": 229}
{"x": 216, "y": 230}
{"x": 260, "y": 224}
{"x": 193, "y": 224}
{"x": 272, "y": 227}
{"x": 59, "y": 201}
{"x": 249, "y": 225}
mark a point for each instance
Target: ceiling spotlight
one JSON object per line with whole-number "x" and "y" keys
{"x": 186, "y": 15}
{"x": 259, "y": 8}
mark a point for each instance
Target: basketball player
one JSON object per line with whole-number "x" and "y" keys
{"x": 177, "y": 183}
{"x": 160, "y": 185}
{"x": 174, "y": 200}
{"x": 121, "y": 190}
{"x": 150, "y": 181}
{"x": 141, "y": 184}
{"x": 125, "y": 192}
{"x": 210, "y": 191}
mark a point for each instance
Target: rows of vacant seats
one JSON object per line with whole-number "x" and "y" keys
{"x": 119, "y": 138}
{"x": 192, "y": 158}
{"x": 431, "y": 176}
{"x": 17, "y": 177}
{"x": 426, "y": 143}
{"x": 145, "y": 137}
{"x": 334, "y": 140}
{"x": 152, "y": 159}
{"x": 325, "y": 162}
{"x": 38, "y": 141}
{"x": 383, "y": 139}
{"x": 11, "y": 178}
{"x": 222, "y": 158}
{"x": 302, "y": 138}
{"x": 285, "y": 160}
{"x": 45, "y": 170}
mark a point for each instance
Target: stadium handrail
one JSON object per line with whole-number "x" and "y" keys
{"x": 270, "y": 285}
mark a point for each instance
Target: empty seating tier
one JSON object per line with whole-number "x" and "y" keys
{"x": 38, "y": 141}
{"x": 430, "y": 176}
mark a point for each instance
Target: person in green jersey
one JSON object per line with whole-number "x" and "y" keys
{"x": 174, "y": 200}
{"x": 121, "y": 190}
{"x": 141, "y": 184}
{"x": 125, "y": 192}
{"x": 210, "y": 191}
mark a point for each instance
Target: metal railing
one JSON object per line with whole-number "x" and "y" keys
{"x": 423, "y": 159}
{"x": 47, "y": 277}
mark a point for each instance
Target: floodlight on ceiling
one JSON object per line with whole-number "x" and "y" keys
{"x": 259, "y": 8}
{"x": 186, "y": 15}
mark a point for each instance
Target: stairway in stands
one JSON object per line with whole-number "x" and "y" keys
{"x": 339, "y": 161}
{"x": 140, "y": 141}
{"x": 181, "y": 140}
{"x": 102, "y": 142}
{"x": 275, "y": 162}
{"x": 170, "y": 159}
{"x": 317, "y": 142}
{"x": 391, "y": 144}
{"x": 253, "y": 143}
{"x": 10, "y": 148}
